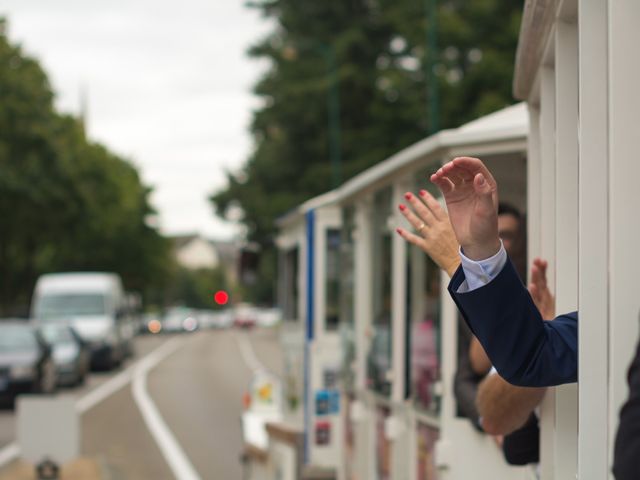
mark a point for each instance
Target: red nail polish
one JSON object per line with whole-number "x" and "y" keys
{"x": 407, "y": 196}
{"x": 399, "y": 231}
{"x": 423, "y": 193}
{"x": 402, "y": 207}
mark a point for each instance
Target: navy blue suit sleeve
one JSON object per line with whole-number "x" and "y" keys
{"x": 525, "y": 349}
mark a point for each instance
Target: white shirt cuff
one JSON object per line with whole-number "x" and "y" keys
{"x": 478, "y": 274}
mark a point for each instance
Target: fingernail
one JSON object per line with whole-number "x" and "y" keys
{"x": 408, "y": 196}
{"x": 402, "y": 207}
{"x": 481, "y": 181}
{"x": 423, "y": 193}
{"x": 399, "y": 230}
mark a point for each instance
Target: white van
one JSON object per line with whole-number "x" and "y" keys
{"x": 95, "y": 305}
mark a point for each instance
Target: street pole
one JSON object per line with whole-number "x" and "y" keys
{"x": 333, "y": 104}
{"x": 333, "y": 111}
{"x": 431, "y": 56}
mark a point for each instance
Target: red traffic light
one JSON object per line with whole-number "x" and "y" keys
{"x": 221, "y": 297}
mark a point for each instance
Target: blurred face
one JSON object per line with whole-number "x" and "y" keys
{"x": 508, "y": 226}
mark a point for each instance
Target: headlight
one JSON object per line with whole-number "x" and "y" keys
{"x": 22, "y": 371}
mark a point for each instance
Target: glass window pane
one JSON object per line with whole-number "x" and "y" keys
{"x": 290, "y": 284}
{"x": 424, "y": 344}
{"x": 332, "y": 279}
{"x": 347, "y": 285}
{"x": 379, "y": 357}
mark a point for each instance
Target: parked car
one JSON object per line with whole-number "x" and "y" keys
{"x": 70, "y": 353}
{"x": 95, "y": 305}
{"x": 268, "y": 317}
{"x": 26, "y": 362}
{"x": 180, "y": 319}
{"x": 215, "y": 318}
{"x": 245, "y": 315}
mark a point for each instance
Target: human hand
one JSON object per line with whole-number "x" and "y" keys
{"x": 434, "y": 232}
{"x": 471, "y": 194}
{"x": 539, "y": 290}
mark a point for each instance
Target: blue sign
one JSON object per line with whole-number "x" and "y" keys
{"x": 327, "y": 402}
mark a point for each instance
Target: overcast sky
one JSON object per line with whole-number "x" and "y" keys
{"x": 168, "y": 86}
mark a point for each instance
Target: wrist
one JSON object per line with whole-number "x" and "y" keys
{"x": 453, "y": 266}
{"x": 478, "y": 252}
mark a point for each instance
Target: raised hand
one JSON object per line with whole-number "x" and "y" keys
{"x": 539, "y": 290}
{"x": 471, "y": 194}
{"x": 434, "y": 233}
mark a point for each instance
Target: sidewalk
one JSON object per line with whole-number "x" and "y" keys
{"x": 81, "y": 469}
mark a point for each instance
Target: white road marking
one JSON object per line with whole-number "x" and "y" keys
{"x": 11, "y": 451}
{"x": 173, "y": 453}
{"x": 104, "y": 390}
{"x": 248, "y": 354}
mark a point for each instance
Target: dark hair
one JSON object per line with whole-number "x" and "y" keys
{"x": 508, "y": 209}
{"x": 519, "y": 250}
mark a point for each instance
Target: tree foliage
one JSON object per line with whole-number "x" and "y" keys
{"x": 66, "y": 203}
{"x": 383, "y": 67}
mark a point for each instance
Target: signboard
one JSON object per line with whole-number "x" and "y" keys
{"x": 266, "y": 393}
{"x": 48, "y": 427}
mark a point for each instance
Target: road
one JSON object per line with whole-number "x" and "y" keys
{"x": 195, "y": 389}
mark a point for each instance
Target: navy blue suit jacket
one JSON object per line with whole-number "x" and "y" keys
{"x": 525, "y": 349}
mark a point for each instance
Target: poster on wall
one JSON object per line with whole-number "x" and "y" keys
{"x": 327, "y": 402}
{"x": 426, "y": 437}
{"x": 323, "y": 433}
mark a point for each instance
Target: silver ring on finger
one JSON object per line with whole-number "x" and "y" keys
{"x": 421, "y": 227}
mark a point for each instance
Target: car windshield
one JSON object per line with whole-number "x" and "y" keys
{"x": 70, "y": 305}
{"x": 16, "y": 338}
{"x": 57, "y": 334}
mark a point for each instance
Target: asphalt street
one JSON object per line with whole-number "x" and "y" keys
{"x": 195, "y": 388}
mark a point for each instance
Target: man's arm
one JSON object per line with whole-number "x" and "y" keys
{"x": 524, "y": 349}
{"x": 500, "y": 312}
{"x": 478, "y": 357}
{"x": 503, "y": 408}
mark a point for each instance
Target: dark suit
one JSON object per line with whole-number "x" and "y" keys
{"x": 524, "y": 349}
{"x": 626, "y": 454}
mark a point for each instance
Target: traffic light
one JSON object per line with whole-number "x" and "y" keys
{"x": 221, "y": 297}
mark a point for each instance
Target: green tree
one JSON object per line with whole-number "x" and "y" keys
{"x": 381, "y": 51}
{"x": 65, "y": 203}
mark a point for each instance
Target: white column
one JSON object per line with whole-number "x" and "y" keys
{"x": 566, "y": 70}
{"x": 624, "y": 195}
{"x": 534, "y": 185}
{"x": 593, "y": 292}
{"x": 364, "y": 425}
{"x": 547, "y": 245}
{"x": 400, "y": 441}
{"x": 398, "y": 294}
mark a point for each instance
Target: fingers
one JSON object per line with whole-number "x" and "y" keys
{"x": 413, "y": 219}
{"x": 423, "y": 212}
{"x": 473, "y": 166}
{"x": 484, "y": 193}
{"x": 433, "y": 205}
{"x": 457, "y": 175}
{"x": 412, "y": 238}
{"x": 539, "y": 273}
{"x": 442, "y": 182}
